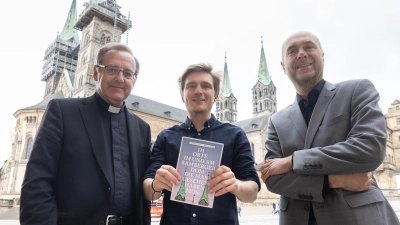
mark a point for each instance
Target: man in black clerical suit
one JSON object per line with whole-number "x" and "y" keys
{"x": 90, "y": 154}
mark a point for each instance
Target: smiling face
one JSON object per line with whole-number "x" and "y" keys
{"x": 199, "y": 94}
{"x": 303, "y": 59}
{"x": 114, "y": 89}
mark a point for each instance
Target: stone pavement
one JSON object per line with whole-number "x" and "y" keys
{"x": 251, "y": 215}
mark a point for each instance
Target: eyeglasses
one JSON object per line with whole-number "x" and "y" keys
{"x": 112, "y": 70}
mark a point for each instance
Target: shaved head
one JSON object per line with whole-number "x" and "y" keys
{"x": 298, "y": 34}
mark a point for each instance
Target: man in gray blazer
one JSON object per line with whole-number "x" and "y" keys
{"x": 90, "y": 154}
{"x": 323, "y": 147}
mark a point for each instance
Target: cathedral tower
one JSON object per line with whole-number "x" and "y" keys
{"x": 62, "y": 54}
{"x": 264, "y": 91}
{"x": 101, "y": 22}
{"x": 226, "y": 103}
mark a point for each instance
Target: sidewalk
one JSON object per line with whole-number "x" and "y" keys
{"x": 257, "y": 210}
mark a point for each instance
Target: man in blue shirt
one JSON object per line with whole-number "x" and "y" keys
{"x": 235, "y": 178}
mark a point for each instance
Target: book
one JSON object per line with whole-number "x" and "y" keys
{"x": 197, "y": 160}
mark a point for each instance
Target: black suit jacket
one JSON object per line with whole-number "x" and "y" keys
{"x": 67, "y": 179}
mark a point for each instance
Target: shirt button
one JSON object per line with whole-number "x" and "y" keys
{"x": 108, "y": 189}
{"x": 194, "y": 214}
{"x": 199, "y": 134}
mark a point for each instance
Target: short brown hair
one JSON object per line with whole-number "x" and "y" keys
{"x": 117, "y": 47}
{"x": 200, "y": 67}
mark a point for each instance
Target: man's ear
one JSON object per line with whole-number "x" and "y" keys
{"x": 95, "y": 73}
{"x": 283, "y": 67}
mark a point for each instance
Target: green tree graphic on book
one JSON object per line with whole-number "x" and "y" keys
{"x": 180, "y": 195}
{"x": 204, "y": 198}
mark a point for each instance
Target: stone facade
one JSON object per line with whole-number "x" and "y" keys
{"x": 386, "y": 173}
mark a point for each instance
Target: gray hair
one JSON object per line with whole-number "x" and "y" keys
{"x": 117, "y": 47}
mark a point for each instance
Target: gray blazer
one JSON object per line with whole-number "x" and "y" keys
{"x": 346, "y": 134}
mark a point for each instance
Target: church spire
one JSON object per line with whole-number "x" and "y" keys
{"x": 68, "y": 32}
{"x": 263, "y": 74}
{"x": 264, "y": 91}
{"x": 226, "y": 88}
{"x": 226, "y": 103}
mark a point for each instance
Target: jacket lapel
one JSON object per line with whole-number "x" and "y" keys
{"x": 91, "y": 117}
{"x": 298, "y": 120}
{"x": 327, "y": 93}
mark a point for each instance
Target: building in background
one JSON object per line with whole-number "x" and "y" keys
{"x": 67, "y": 71}
{"x": 386, "y": 173}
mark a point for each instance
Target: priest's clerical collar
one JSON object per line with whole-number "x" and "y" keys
{"x": 107, "y": 107}
{"x": 113, "y": 109}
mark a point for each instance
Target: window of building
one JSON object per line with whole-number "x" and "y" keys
{"x": 29, "y": 148}
{"x": 397, "y": 107}
{"x": 136, "y": 105}
{"x": 252, "y": 149}
{"x": 398, "y": 121}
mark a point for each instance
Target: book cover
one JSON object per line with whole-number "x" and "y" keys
{"x": 196, "y": 161}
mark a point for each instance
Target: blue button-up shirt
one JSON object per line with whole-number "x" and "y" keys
{"x": 236, "y": 155}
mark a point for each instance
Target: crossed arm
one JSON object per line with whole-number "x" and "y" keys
{"x": 346, "y": 163}
{"x": 350, "y": 182}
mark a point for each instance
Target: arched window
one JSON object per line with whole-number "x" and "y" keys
{"x": 29, "y": 146}
{"x": 103, "y": 39}
{"x": 252, "y": 150}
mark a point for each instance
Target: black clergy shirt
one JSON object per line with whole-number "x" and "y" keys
{"x": 115, "y": 133}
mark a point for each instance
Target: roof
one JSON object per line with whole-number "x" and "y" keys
{"x": 144, "y": 105}
{"x": 133, "y": 102}
{"x": 69, "y": 78}
{"x": 253, "y": 124}
{"x": 44, "y": 102}
{"x": 68, "y": 32}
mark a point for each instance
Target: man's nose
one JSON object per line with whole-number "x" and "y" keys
{"x": 198, "y": 89}
{"x": 120, "y": 76}
{"x": 302, "y": 54}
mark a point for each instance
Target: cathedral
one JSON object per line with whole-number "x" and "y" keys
{"x": 67, "y": 71}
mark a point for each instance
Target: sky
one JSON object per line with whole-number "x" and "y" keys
{"x": 360, "y": 39}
